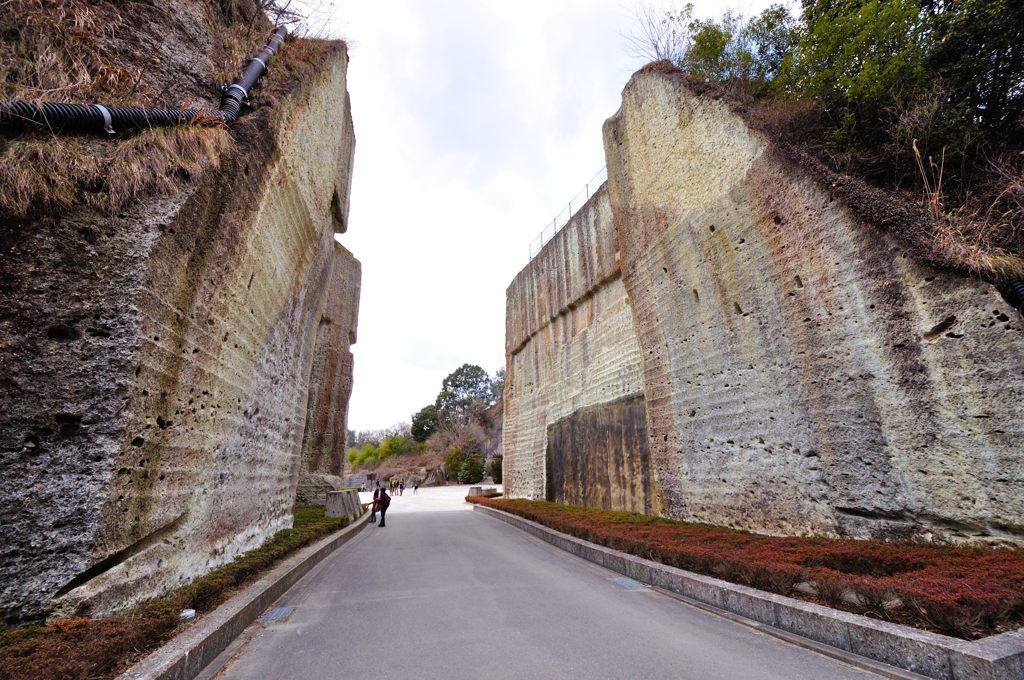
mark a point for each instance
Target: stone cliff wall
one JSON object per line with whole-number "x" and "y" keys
{"x": 323, "y": 441}
{"x": 804, "y": 371}
{"x": 570, "y": 342}
{"x": 161, "y": 365}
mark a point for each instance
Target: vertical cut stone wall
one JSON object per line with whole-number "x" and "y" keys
{"x": 599, "y": 457}
{"x": 158, "y": 365}
{"x": 570, "y": 342}
{"x": 802, "y": 370}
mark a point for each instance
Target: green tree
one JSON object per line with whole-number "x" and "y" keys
{"x": 424, "y": 423}
{"x": 857, "y": 52}
{"x": 495, "y": 468}
{"x": 977, "y": 51}
{"x": 771, "y": 37}
{"x": 498, "y": 385}
{"x": 453, "y": 461}
{"x": 472, "y": 469}
{"x": 466, "y": 390}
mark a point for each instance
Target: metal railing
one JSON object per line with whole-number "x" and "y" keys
{"x": 568, "y": 211}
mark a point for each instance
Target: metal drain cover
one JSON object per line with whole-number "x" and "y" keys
{"x": 277, "y": 615}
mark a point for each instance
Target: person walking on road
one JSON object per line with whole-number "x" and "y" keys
{"x": 383, "y": 502}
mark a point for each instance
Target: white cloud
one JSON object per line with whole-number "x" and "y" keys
{"x": 475, "y": 124}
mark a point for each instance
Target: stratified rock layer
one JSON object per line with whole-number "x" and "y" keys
{"x": 804, "y": 372}
{"x": 570, "y": 344}
{"x": 323, "y": 441}
{"x": 161, "y": 366}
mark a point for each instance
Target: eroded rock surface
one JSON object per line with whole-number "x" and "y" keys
{"x": 804, "y": 372}
{"x": 161, "y": 365}
{"x": 570, "y": 344}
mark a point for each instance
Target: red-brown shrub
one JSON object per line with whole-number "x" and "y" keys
{"x": 965, "y": 592}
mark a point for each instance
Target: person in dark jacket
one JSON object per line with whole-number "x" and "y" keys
{"x": 382, "y": 504}
{"x": 373, "y": 508}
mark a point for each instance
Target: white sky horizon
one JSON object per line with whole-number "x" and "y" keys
{"x": 475, "y": 124}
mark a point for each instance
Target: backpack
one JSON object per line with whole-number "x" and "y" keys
{"x": 384, "y": 500}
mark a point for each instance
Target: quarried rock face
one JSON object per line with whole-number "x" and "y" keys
{"x": 323, "y": 441}
{"x": 803, "y": 371}
{"x": 158, "y": 365}
{"x": 599, "y": 457}
{"x": 570, "y": 344}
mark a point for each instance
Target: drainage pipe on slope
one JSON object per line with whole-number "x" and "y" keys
{"x": 1013, "y": 292}
{"x": 117, "y": 119}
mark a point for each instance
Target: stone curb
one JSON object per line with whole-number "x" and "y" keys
{"x": 187, "y": 654}
{"x": 999, "y": 657}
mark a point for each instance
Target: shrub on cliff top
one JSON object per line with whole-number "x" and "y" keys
{"x": 903, "y": 92}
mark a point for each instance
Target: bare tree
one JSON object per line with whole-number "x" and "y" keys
{"x": 661, "y": 34}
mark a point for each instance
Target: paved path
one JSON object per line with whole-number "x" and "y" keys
{"x": 444, "y": 592}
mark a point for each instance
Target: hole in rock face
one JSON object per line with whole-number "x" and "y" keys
{"x": 776, "y": 219}
{"x": 736, "y": 306}
{"x": 62, "y": 333}
{"x": 68, "y": 424}
{"x": 799, "y": 282}
{"x": 940, "y": 328}
{"x": 138, "y": 441}
{"x": 696, "y": 295}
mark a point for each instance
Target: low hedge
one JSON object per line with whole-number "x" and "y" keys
{"x": 68, "y": 649}
{"x": 964, "y": 592}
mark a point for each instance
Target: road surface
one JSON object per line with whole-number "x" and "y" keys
{"x": 444, "y": 592}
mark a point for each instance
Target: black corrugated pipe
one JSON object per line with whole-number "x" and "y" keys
{"x": 116, "y": 119}
{"x": 1013, "y": 292}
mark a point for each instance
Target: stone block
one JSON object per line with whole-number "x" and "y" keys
{"x": 900, "y": 646}
{"x": 342, "y": 504}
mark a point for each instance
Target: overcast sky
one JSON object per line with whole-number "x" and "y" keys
{"x": 475, "y": 123}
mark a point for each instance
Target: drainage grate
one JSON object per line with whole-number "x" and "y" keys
{"x": 627, "y": 583}
{"x": 277, "y": 615}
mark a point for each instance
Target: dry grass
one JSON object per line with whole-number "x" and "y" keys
{"x": 124, "y": 53}
{"x": 45, "y": 174}
{"x": 978, "y": 228}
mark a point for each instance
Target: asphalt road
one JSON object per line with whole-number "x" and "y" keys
{"x": 444, "y": 592}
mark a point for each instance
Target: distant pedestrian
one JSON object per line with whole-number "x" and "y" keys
{"x": 415, "y": 487}
{"x": 373, "y": 508}
{"x": 401, "y": 487}
{"x": 382, "y": 504}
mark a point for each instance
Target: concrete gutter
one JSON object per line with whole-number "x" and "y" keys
{"x": 999, "y": 657}
{"x": 186, "y": 654}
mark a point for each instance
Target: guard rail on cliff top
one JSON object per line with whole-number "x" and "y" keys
{"x": 568, "y": 211}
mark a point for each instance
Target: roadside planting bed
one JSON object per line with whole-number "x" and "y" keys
{"x": 79, "y": 648}
{"x": 968, "y": 593}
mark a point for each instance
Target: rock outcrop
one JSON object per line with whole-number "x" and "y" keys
{"x": 804, "y": 371}
{"x": 168, "y": 370}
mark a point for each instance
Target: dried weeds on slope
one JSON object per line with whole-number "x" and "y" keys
{"x": 172, "y": 53}
{"x": 979, "y": 230}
